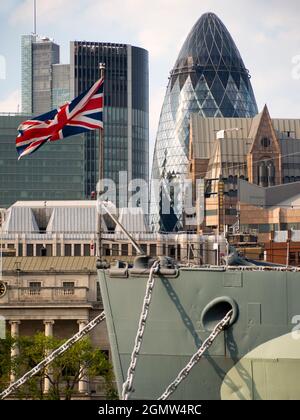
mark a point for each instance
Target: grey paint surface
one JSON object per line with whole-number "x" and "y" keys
{"x": 267, "y": 301}
{"x": 272, "y": 370}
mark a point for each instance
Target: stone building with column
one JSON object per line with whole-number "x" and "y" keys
{"x": 54, "y": 295}
{"x": 67, "y": 229}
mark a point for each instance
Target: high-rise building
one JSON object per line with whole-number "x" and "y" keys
{"x": 60, "y": 85}
{"x": 55, "y": 172}
{"x": 38, "y": 56}
{"x": 126, "y": 109}
{"x": 209, "y": 78}
{"x": 26, "y": 75}
{"x": 46, "y": 84}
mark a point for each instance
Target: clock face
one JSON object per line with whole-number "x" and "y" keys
{"x": 2, "y": 289}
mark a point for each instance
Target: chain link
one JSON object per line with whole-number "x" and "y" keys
{"x": 60, "y": 350}
{"x": 196, "y": 357}
{"x": 127, "y": 386}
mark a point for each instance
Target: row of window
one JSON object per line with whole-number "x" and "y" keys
{"x": 261, "y": 228}
{"x": 48, "y": 250}
{"x": 108, "y": 250}
{"x": 36, "y": 286}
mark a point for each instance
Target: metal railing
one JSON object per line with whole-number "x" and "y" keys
{"x": 47, "y": 294}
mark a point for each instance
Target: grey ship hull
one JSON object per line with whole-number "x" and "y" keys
{"x": 266, "y": 303}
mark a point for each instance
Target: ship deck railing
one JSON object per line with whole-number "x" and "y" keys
{"x": 241, "y": 268}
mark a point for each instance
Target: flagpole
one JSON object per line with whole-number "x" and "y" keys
{"x": 100, "y": 173}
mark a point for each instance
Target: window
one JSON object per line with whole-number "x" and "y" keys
{"x": 115, "y": 249}
{"x": 190, "y": 251}
{"x": 41, "y": 251}
{"x": 68, "y": 250}
{"x": 178, "y": 252}
{"x": 231, "y": 212}
{"x": 58, "y": 250}
{"x": 99, "y": 299}
{"x": 77, "y": 250}
{"x": 171, "y": 251}
{"x": 49, "y": 250}
{"x": 86, "y": 250}
{"x": 29, "y": 250}
{"x": 153, "y": 250}
{"x": 35, "y": 288}
{"x": 211, "y": 212}
{"x": 265, "y": 142}
{"x": 292, "y": 258}
{"x": 68, "y": 287}
{"x": 232, "y": 193}
{"x": 124, "y": 249}
{"x": 264, "y": 228}
{"x": 144, "y": 247}
{"x": 106, "y": 250}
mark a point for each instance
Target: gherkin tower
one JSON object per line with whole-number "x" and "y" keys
{"x": 209, "y": 78}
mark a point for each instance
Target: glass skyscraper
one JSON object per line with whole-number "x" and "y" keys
{"x": 38, "y": 56}
{"x": 46, "y": 84}
{"x": 55, "y": 172}
{"x": 26, "y": 76}
{"x": 60, "y": 89}
{"x": 208, "y": 78}
{"x": 126, "y": 109}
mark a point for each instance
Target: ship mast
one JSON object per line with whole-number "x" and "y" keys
{"x": 100, "y": 176}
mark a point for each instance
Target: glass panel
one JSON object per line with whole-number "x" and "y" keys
{"x": 77, "y": 250}
{"x": 68, "y": 250}
{"x": 209, "y": 78}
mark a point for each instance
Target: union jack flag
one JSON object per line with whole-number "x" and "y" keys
{"x": 82, "y": 114}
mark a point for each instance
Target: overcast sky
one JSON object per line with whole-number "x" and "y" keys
{"x": 267, "y": 33}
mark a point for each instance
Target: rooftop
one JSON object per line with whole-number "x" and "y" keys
{"x": 38, "y": 264}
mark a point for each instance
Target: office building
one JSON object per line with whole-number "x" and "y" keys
{"x": 38, "y": 54}
{"x": 46, "y": 84}
{"x": 126, "y": 109}
{"x": 60, "y": 90}
{"x": 55, "y": 172}
{"x": 210, "y": 79}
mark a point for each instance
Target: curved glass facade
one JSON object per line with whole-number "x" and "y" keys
{"x": 209, "y": 78}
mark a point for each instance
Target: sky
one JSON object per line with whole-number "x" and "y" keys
{"x": 267, "y": 34}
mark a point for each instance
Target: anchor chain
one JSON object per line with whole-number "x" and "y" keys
{"x": 127, "y": 385}
{"x": 196, "y": 357}
{"x": 60, "y": 350}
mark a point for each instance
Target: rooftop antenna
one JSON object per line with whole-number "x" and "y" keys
{"x": 34, "y": 17}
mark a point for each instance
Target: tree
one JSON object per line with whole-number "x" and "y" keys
{"x": 63, "y": 373}
{"x": 5, "y": 361}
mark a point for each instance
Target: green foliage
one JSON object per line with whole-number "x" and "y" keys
{"x": 63, "y": 373}
{"x": 5, "y": 362}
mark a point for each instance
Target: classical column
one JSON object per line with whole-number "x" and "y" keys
{"x": 14, "y": 331}
{"x": 83, "y": 382}
{"x": 49, "y": 328}
{"x": 48, "y": 333}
